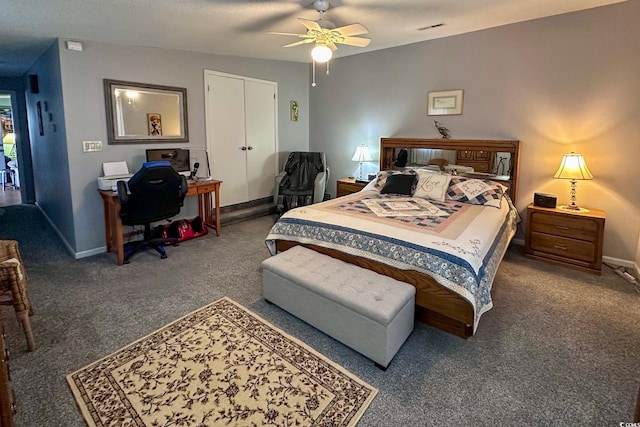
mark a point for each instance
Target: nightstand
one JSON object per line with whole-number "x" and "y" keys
{"x": 346, "y": 186}
{"x": 570, "y": 239}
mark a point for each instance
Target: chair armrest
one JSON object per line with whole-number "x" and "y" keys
{"x": 123, "y": 193}
{"x": 11, "y": 272}
{"x": 276, "y": 188}
{"x": 123, "y": 196}
{"x": 319, "y": 186}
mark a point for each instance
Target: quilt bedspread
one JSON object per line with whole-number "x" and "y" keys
{"x": 458, "y": 244}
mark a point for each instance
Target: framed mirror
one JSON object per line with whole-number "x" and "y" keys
{"x": 145, "y": 113}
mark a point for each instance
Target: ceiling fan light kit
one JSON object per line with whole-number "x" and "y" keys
{"x": 321, "y": 53}
{"x": 325, "y": 35}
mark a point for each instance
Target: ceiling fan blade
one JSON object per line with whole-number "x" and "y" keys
{"x": 311, "y": 25}
{"x": 298, "y": 43}
{"x": 355, "y": 41}
{"x": 352, "y": 30}
{"x": 332, "y": 46}
{"x": 286, "y": 34}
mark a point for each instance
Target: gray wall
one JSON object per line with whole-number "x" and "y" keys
{"x": 82, "y": 75}
{"x": 49, "y": 151}
{"x": 559, "y": 84}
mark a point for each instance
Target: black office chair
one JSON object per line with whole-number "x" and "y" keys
{"x": 154, "y": 193}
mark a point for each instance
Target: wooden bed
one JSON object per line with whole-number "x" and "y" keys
{"x": 435, "y": 305}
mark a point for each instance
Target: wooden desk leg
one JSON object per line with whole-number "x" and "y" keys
{"x": 107, "y": 223}
{"x": 202, "y": 212}
{"x": 206, "y": 210}
{"x": 217, "y": 197}
{"x": 206, "y": 202}
{"x": 117, "y": 230}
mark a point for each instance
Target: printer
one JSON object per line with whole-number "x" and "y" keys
{"x": 113, "y": 172}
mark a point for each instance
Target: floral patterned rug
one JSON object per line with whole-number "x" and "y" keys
{"x": 220, "y": 365}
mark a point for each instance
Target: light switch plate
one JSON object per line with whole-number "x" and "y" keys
{"x": 77, "y": 46}
{"x": 89, "y": 146}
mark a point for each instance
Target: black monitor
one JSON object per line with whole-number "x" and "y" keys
{"x": 178, "y": 157}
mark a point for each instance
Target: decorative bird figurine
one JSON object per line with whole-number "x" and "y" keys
{"x": 442, "y": 129}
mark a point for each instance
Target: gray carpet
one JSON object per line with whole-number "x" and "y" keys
{"x": 559, "y": 347}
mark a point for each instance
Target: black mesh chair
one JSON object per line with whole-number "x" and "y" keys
{"x": 156, "y": 192}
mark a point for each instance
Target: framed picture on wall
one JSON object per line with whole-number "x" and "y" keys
{"x": 154, "y": 121}
{"x": 445, "y": 102}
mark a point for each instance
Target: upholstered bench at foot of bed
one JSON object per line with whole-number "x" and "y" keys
{"x": 369, "y": 312}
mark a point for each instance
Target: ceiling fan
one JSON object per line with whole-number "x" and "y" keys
{"x": 325, "y": 35}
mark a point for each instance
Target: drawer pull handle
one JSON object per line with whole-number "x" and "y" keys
{"x": 562, "y": 227}
{"x": 564, "y": 248}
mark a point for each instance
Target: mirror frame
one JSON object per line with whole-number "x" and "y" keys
{"x": 389, "y": 145}
{"x": 109, "y": 98}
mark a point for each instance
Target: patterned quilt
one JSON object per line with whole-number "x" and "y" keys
{"x": 460, "y": 245}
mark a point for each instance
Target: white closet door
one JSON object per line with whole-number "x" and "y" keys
{"x": 226, "y": 137}
{"x": 260, "y": 138}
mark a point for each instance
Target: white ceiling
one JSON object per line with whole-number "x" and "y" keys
{"x": 239, "y": 27}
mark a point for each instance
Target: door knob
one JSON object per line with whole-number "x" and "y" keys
{"x": 249, "y": 148}
{"x": 243, "y": 148}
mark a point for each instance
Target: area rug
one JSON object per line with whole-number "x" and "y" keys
{"x": 220, "y": 365}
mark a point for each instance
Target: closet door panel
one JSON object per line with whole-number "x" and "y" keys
{"x": 227, "y": 143}
{"x": 261, "y": 138}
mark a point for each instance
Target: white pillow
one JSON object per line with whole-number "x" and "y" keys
{"x": 432, "y": 185}
{"x": 370, "y": 186}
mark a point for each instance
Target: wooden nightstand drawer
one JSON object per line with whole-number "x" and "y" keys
{"x": 572, "y": 249}
{"x": 571, "y": 239}
{"x": 346, "y": 186}
{"x": 559, "y": 225}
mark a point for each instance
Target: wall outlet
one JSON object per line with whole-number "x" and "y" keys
{"x": 89, "y": 146}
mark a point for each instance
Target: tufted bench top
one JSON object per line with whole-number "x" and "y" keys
{"x": 373, "y": 295}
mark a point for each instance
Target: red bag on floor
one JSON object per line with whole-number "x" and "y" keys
{"x": 184, "y": 229}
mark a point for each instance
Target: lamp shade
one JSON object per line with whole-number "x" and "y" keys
{"x": 362, "y": 154}
{"x": 573, "y": 167}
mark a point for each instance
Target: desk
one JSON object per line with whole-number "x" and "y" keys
{"x": 113, "y": 223}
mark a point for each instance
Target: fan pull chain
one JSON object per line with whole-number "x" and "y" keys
{"x": 313, "y": 73}
{"x": 328, "y": 67}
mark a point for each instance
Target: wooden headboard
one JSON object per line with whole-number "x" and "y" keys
{"x": 465, "y": 149}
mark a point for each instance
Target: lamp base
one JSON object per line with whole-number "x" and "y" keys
{"x": 570, "y": 208}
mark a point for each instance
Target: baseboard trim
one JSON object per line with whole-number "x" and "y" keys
{"x": 248, "y": 210}
{"x": 617, "y": 262}
{"x": 62, "y": 238}
{"x": 72, "y": 252}
{"x": 91, "y": 252}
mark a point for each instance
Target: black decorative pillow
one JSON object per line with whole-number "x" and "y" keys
{"x": 400, "y": 184}
{"x": 383, "y": 175}
{"x": 475, "y": 191}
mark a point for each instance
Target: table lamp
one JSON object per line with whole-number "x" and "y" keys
{"x": 361, "y": 155}
{"x": 573, "y": 168}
